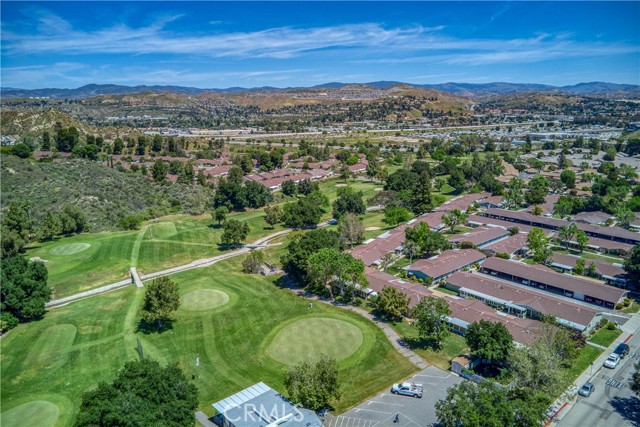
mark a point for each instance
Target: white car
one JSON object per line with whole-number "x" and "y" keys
{"x": 612, "y": 361}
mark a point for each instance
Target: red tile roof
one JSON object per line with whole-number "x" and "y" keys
{"x": 547, "y": 276}
{"x": 447, "y": 262}
{"x": 546, "y": 304}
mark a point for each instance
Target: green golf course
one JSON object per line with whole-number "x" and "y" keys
{"x": 244, "y": 329}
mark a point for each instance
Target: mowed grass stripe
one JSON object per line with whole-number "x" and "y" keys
{"x": 51, "y": 347}
{"x": 38, "y": 413}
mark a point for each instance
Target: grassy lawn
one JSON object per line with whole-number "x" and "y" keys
{"x": 231, "y": 320}
{"x": 86, "y": 261}
{"x": 447, "y": 291}
{"x": 605, "y": 337}
{"x": 452, "y": 346}
{"x": 589, "y": 255}
{"x": 586, "y": 356}
{"x": 633, "y": 308}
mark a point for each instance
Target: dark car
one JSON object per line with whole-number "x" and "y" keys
{"x": 621, "y": 350}
{"x": 586, "y": 389}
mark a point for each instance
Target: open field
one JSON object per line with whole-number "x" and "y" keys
{"x": 229, "y": 319}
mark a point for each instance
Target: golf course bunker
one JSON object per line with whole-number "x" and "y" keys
{"x": 311, "y": 337}
{"x": 39, "y": 413}
{"x": 69, "y": 248}
{"x": 204, "y": 299}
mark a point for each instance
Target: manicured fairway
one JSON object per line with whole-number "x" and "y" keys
{"x": 39, "y": 413}
{"x": 87, "y": 261}
{"x": 308, "y": 338}
{"x": 89, "y": 340}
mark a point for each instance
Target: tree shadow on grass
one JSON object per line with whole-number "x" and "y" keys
{"x": 628, "y": 407}
{"x": 215, "y": 226}
{"x": 422, "y": 343}
{"x": 148, "y": 328}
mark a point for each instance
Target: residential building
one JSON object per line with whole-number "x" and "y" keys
{"x": 612, "y": 274}
{"x": 522, "y": 302}
{"x": 544, "y": 278}
{"x": 480, "y": 237}
{"x": 512, "y": 246}
{"x": 442, "y": 266}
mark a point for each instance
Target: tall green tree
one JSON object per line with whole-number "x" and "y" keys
{"x": 313, "y": 385}
{"x": 234, "y": 232}
{"x": 422, "y": 200}
{"x": 301, "y": 246}
{"x": 457, "y": 180}
{"x": 220, "y": 214}
{"x": 489, "y": 340}
{"x": 273, "y": 215}
{"x": 430, "y": 316}
{"x": 161, "y": 301}
{"x": 159, "y": 170}
{"x": 429, "y": 242}
{"x": 392, "y": 302}
{"x": 349, "y": 201}
{"x": 394, "y": 215}
{"x": 566, "y": 233}
{"x": 568, "y": 178}
{"x": 143, "y": 394}
{"x": 486, "y": 405}
{"x": 351, "y": 229}
{"x": 634, "y": 381}
{"x": 632, "y": 266}
{"x": 329, "y": 266}
{"x": 514, "y": 195}
{"x": 24, "y": 290}
{"x": 454, "y": 219}
{"x": 538, "y": 243}
{"x": 537, "y": 190}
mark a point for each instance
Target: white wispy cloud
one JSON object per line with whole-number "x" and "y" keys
{"x": 57, "y": 35}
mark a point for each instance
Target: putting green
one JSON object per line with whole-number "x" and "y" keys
{"x": 162, "y": 230}
{"x": 69, "y": 248}
{"x": 308, "y": 338}
{"x": 204, "y": 299}
{"x": 38, "y": 413}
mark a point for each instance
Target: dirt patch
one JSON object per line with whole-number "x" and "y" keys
{"x": 371, "y": 228}
{"x": 342, "y": 185}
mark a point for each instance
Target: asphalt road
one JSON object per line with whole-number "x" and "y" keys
{"x": 613, "y": 404}
{"x": 381, "y": 410}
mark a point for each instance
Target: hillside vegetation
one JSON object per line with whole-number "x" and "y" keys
{"x": 105, "y": 195}
{"x": 21, "y": 122}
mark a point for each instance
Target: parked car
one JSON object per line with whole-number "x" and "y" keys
{"x": 622, "y": 350}
{"x": 612, "y": 361}
{"x": 587, "y": 389}
{"x": 407, "y": 389}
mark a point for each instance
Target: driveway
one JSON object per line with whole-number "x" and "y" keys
{"x": 381, "y": 410}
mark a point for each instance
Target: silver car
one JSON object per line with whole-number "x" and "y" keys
{"x": 586, "y": 389}
{"x": 612, "y": 361}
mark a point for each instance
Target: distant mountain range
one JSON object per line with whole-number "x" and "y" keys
{"x": 472, "y": 90}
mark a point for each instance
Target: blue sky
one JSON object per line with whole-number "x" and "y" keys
{"x": 215, "y": 45}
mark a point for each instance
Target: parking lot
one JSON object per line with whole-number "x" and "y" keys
{"x": 381, "y": 410}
